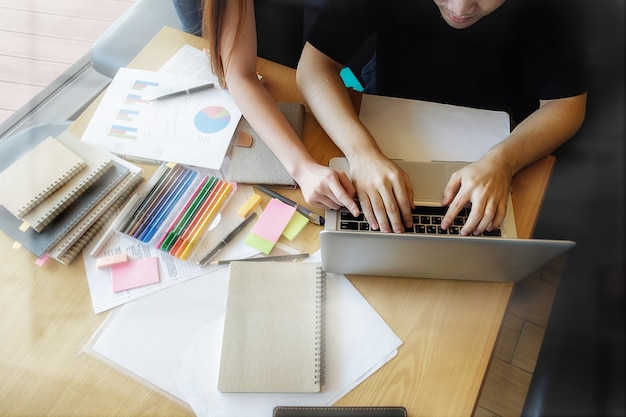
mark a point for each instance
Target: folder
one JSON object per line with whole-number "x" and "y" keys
{"x": 254, "y": 162}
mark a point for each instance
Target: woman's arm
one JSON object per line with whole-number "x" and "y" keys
{"x": 321, "y": 186}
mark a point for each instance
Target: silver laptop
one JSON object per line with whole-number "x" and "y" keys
{"x": 347, "y": 248}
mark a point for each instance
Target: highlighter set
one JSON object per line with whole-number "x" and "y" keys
{"x": 178, "y": 205}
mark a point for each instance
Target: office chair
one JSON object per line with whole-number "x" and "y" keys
{"x": 130, "y": 33}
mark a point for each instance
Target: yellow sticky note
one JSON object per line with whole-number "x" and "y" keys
{"x": 295, "y": 226}
{"x": 247, "y": 208}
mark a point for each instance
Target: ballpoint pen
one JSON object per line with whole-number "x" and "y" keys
{"x": 263, "y": 259}
{"x": 206, "y": 258}
{"x": 313, "y": 217}
{"x": 184, "y": 92}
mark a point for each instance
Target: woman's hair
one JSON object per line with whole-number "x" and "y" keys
{"x": 212, "y": 21}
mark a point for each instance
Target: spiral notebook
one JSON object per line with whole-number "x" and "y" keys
{"x": 274, "y": 328}
{"x": 98, "y": 162}
{"x": 36, "y": 175}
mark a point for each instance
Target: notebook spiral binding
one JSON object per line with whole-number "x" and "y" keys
{"x": 320, "y": 327}
{"x": 73, "y": 251}
{"x": 49, "y": 214}
{"x": 55, "y": 185}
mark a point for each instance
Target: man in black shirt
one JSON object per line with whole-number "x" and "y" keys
{"x": 518, "y": 56}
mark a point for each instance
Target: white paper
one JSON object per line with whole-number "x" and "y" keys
{"x": 194, "y": 129}
{"x": 171, "y": 270}
{"x": 190, "y": 62}
{"x": 422, "y": 131}
{"x": 172, "y": 340}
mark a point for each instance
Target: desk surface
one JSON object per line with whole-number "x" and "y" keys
{"x": 449, "y": 328}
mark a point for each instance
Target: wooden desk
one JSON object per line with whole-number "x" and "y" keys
{"x": 449, "y": 328}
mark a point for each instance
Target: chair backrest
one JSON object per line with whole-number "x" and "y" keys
{"x": 130, "y": 33}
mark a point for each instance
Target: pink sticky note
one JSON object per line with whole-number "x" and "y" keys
{"x": 42, "y": 260}
{"x": 135, "y": 274}
{"x": 273, "y": 220}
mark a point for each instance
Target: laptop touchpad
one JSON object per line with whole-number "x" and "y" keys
{"x": 428, "y": 180}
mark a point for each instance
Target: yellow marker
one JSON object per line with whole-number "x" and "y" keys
{"x": 216, "y": 205}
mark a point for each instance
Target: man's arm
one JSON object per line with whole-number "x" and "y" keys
{"x": 383, "y": 189}
{"x": 487, "y": 182}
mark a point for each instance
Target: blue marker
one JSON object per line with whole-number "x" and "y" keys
{"x": 167, "y": 205}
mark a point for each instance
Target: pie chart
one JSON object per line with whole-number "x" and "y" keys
{"x": 211, "y": 119}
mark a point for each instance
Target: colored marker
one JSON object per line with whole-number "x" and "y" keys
{"x": 165, "y": 209}
{"x": 206, "y": 220}
{"x": 188, "y": 214}
{"x": 196, "y": 218}
{"x": 152, "y": 199}
{"x": 167, "y": 188}
{"x": 140, "y": 209}
{"x": 182, "y": 212}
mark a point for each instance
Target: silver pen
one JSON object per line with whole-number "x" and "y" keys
{"x": 206, "y": 258}
{"x": 313, "y": 217}
{"x": 288, "y": 257}
{"x": 184, "y": 92}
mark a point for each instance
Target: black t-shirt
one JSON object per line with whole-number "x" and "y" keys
{"x": 524, "y": 51}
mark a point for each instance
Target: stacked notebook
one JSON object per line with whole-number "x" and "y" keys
{"x": 56, "y": 193}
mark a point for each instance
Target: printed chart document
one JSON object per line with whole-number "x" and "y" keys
{"x": 194, "y": 129}
{"x": 188, "y": 321}
{"x": 422, "y": 131}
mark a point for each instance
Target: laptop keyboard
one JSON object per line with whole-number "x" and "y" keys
{"x": 426, "y": 220}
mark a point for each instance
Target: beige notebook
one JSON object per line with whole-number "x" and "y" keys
{"x": 36, "y": 175}
{"x": 274, "y": 328}
{"x": 98, "y": 162}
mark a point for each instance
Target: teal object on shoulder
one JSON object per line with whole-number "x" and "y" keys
{"x": 350, "y": 80}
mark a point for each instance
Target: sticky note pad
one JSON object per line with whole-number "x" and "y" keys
{"x": 295, "y": 226}
{"x": 259, "y": 243}
{"x": 271, "y": 225}
{"x": 41, "y": 261}
{"x": 135, "y": 274}
{"x": 273, "y": 220}
{"x": 107, "y": 261}
{"x": 247, "y": 208}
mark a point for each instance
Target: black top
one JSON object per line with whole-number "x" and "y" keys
{"x": 524, "y": 51}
